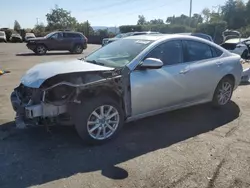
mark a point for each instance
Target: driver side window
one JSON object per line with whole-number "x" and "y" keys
{"x": 57, "y": 36}
{"x": 169, "y": 53}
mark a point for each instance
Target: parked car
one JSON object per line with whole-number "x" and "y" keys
{"x": 106, "y": 41}
{"x": 238, "y": 46}
{"x": 3, "y": 36}
{"x": 16, "y": 38}
{"x": 201, "y": 35}
{"x": 130, "y": 79}
{"x": 29, "y": 36}
{"x": 75, "y": 42}
{"x": 233, "y": 42}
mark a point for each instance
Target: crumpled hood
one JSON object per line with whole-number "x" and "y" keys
{"x": 36, "y": 76}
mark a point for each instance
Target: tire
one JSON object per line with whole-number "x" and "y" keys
{"x": 40, "y": 49}
{"x": 245, "y": 55}
{"x": 87, "y": 125}
{"x": 78, "y": 49}
{"x": 222, "y": 95}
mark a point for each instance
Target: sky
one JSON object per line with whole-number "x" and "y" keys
{"x": 98, "y": 12}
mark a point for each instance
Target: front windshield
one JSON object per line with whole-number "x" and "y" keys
{"x": 119, "y": 36}
{"x": 118, "y": 53}
{"x": 50, "y": 34}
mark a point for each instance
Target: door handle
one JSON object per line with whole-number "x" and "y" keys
{"x": 184, "y": 71}
{"x": 219, "y": 63}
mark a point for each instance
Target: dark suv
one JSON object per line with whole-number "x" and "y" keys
{"x": 75, "y": 42}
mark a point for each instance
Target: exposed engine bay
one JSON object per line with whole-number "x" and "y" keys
{"x": 49, "y": 104}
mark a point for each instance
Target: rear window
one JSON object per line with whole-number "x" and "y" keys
{"x": 2, "y": 34}
{"x": 72, "y": 35}
{"x": 229, "y": 46}
{"x": 216, "y": 52}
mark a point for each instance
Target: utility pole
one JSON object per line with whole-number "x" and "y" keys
{"x": 190, "y": 10}
{"x": 87, "y": 29}
{"x": 36, "y": 21}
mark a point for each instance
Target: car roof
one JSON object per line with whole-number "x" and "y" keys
{"x": 155, "y": 37}
{"x": 66, "y": 31}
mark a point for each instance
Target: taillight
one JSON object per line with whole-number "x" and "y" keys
{"x": 86, "y": 39}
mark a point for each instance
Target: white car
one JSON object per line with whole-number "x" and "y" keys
{"x": 29, "y": 36}
{"x": 132, "y": 78}
{"x": 238, "y": 46}
{"x": 2, "y": 36}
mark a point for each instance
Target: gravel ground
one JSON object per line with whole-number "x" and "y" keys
{"x": 194, "y": 147}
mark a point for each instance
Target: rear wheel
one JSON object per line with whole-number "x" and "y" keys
{"x": 78, "y": 49}
{"x": 244, "y": 54}
{"x": 41, "y": 50}
{"x": 98, "y": 119}
{"x": 223, "y": 92}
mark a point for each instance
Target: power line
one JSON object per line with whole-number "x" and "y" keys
{"x": 109, "y": 6}
{"x": 139, "y": 12}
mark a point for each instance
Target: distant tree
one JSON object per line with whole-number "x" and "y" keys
{"x": 85, "y": 28}
{"x": 185, "y": 20}
{"x": 234, "y": 13}
{"x": 59, "y": 18}
{"x": 141, "y": 20}
{"x": 156, "y": 21}
{"x": 102, "y": 32}
{"x": 206, "y": 14}
{"x": 17, "y": 26}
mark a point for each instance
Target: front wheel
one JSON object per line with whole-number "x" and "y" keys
{"x": 98, "y": 119}
{"x": 78, "y": 49}
{"x": 223, "y": 92}
{"x": 41, "y": 50}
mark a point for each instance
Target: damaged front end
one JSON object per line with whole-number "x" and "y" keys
{"x": 49, "y": 104}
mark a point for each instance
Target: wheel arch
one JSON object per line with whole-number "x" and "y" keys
{"x": 107, "y": 91}
{"x": 43, "y": 45}
{"x": 231, "y": 77}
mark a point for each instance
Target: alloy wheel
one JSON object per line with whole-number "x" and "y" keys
{"x": 41, "y": 49}
{"x": 224, "y": 93}
{"x": 103, "y": 122}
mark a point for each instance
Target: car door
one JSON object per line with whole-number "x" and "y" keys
{"x": 69, "y": 40}
{"x": 203, "y": 74}
{"x": 56, "y": 41}
{"x": 154, "y": 89}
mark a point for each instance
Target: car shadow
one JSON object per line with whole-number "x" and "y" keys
{"x": 47, "y": 54}
{"x": 35, "y": 156}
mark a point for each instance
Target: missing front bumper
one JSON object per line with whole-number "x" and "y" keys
{"x": 26, "y": 112}
{"x": 44, "y": 110}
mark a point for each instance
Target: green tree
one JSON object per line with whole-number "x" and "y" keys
{"x": 85, "y": 28}
{"x": 156, "y": 21}
{"x": 59, "y": 18}
{"x": 102, "y": 32}
{"x": 233, "y": 13}
{"x": 141, "y": 20}
{"x": 185, "y": 20}
{"x": 17, "y": 26}
{"x": 206, "y": 14}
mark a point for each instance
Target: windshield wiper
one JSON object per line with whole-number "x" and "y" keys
{"x": 95, "y": 62}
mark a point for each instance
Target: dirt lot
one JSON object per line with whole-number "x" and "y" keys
{"x": 195, "y": 147}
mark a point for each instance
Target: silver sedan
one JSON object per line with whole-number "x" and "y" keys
{"x": 127, "y": 80}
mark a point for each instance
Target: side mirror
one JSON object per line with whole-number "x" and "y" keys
{"x": 151, "y": 63}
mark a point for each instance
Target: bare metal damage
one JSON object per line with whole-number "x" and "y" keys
{"x": 50, "y": 103}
